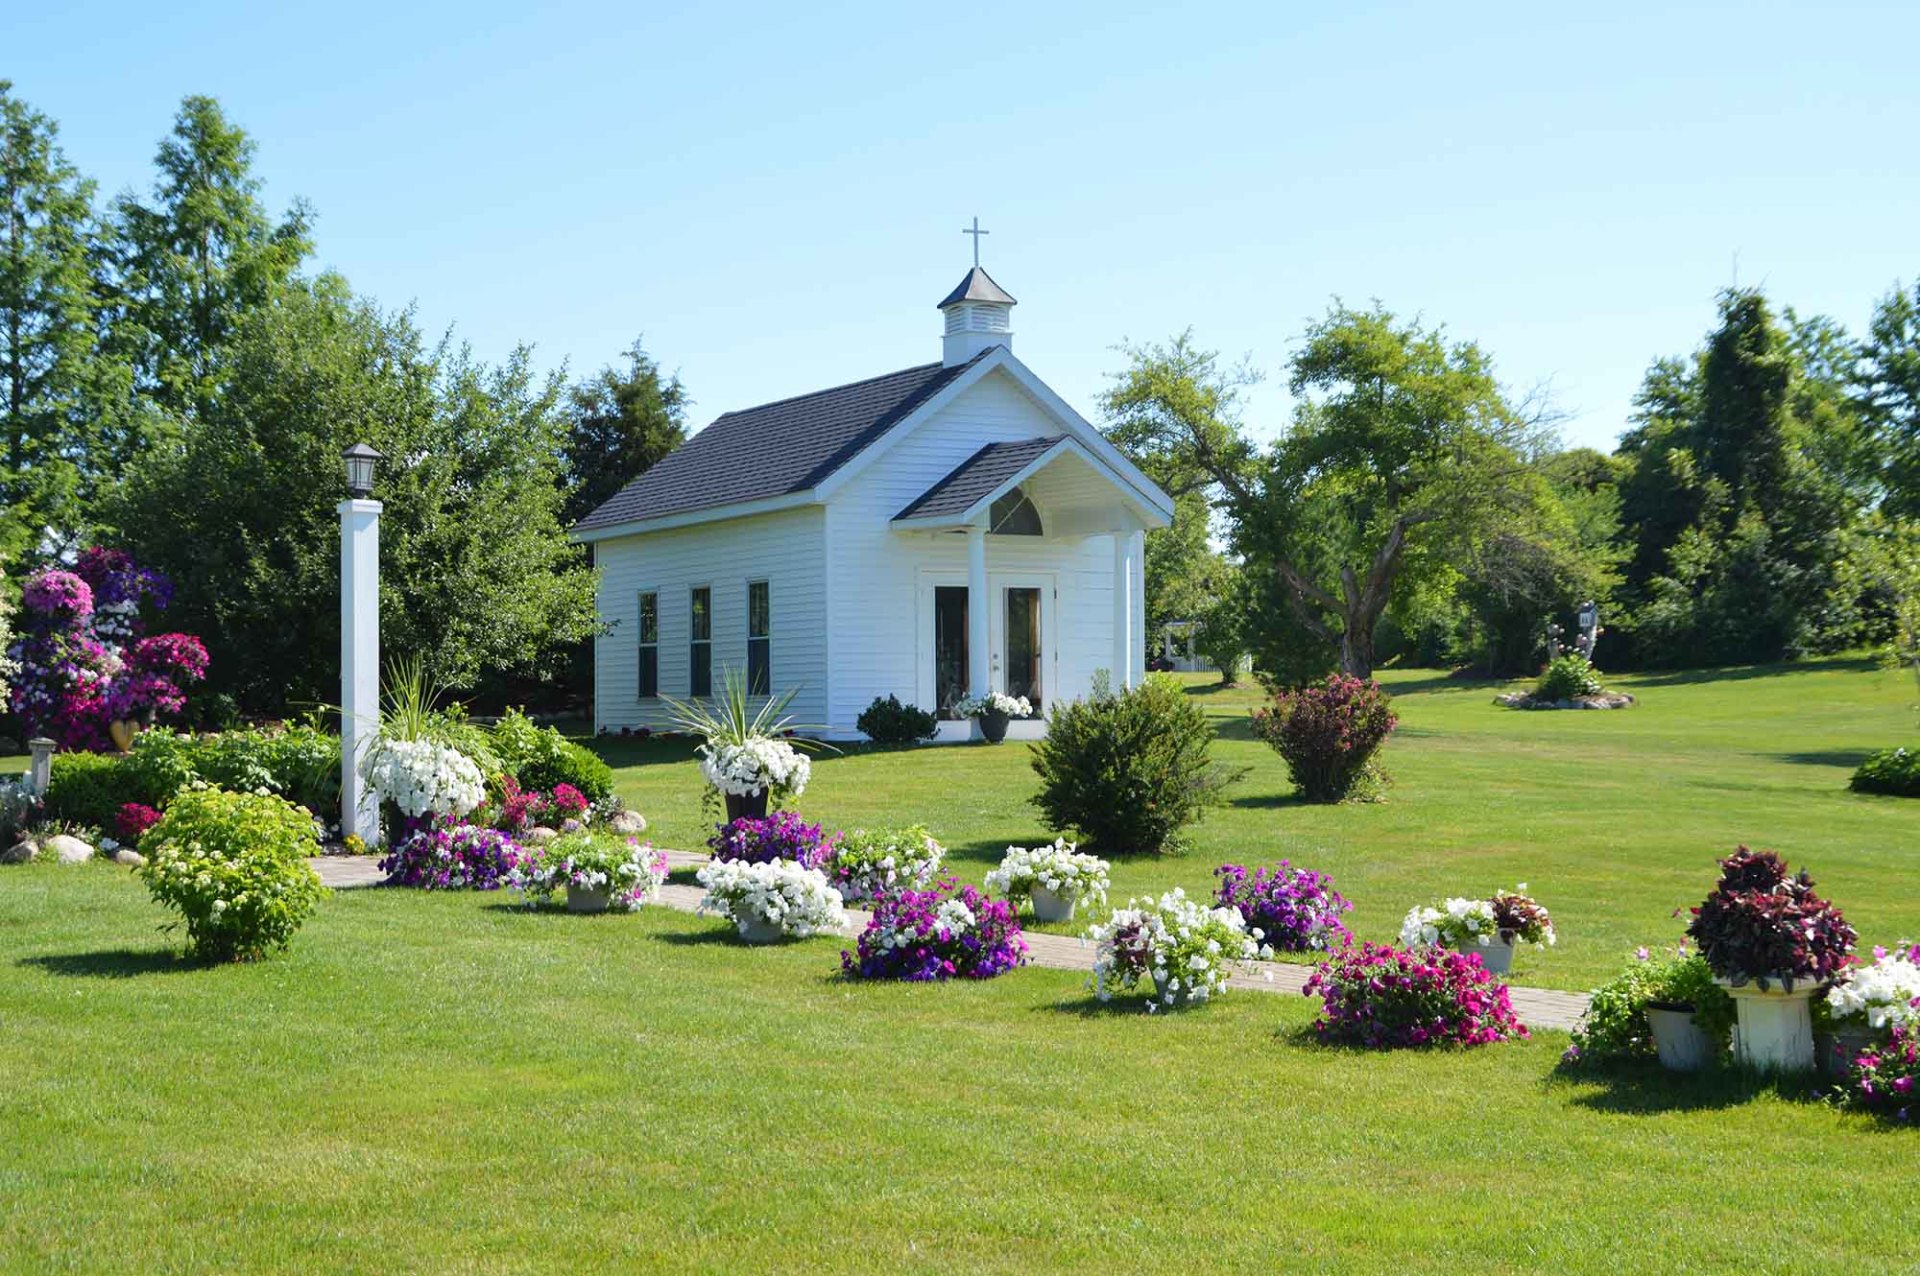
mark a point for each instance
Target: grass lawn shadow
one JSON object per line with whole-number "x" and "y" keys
{"x": 1849, "y": 758}
{"x": 1266, "y": 801}
{"x": 1745, "y": 673}
{"x": 1091, "y": 1007}
{"x": 1649, "y": 1090}
{"x": 113, "y": 963}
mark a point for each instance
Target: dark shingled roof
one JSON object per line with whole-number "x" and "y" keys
{"x": 977, "y": 286}
{"x": 979, "y": 474}
{"x": 775, "y": 449}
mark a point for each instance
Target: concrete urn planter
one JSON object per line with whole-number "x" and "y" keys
{"x": 1775, "y": 1028}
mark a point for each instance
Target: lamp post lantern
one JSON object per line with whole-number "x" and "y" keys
{"x": 359, "y": 642}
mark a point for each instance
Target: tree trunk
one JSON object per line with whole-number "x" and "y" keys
{"x": 1356, "y": 646}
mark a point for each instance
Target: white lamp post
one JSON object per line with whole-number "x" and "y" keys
{"x": 359, "y": 642}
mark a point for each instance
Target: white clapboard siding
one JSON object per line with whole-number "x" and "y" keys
{"x": 783, "y": 549}
{"x": 874, "y": 572}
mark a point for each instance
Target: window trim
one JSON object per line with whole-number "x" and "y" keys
{"x": 695, "y": 644}
{"x": 764, "y": 685}
{"x": 642, "y": 645}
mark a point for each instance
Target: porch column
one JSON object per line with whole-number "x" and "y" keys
{"x": 977, "y": 640}
{"x": 1125, "y": 639}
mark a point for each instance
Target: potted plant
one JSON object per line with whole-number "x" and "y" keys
{"x": 867, "y": 864}
{"x": 1770, "y": 942}
{"x": 1669, "y": 1007}
{"x": 747, "y": 755}
{"x": 948, "y": 932}
{"x": 1288, "y": 909}
{"x": 1489, "y": 927}
{"x": 597, "y": 874}
{"x": 993, "y": 711}
{"x": 1054, "y": 879}
{"x": 784, "y": 835}
{"x": 1866, "y": 1004}
{"x": 1184, "y": 948}
{"x": 772, "y": 900}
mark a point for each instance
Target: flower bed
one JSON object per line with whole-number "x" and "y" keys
{"x": 780, "y": 836}
{"x": 1059, "y": 868}
{"x": 1184, "y": 949}
{"x": 949, "y": 932}
{"x": 869, "y": 863}
{"x": 631, "y": 872}
{"x": 454, "y": 857}
{"x": 790, "y": 897}
{"x": 1390, "y": 998}
{"x": 1885, "y": 1078}
{"x": 1288, "y": 909}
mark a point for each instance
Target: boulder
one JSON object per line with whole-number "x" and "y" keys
{"x": 69, "y": 849}
{"x": 627, "y": 823}
{"x": 20, "y": 852}
{"x": 540, "y": 836}
{"x": 131, "y": 859}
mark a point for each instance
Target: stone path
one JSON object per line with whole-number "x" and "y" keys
{"x": 1536, "y": 1007}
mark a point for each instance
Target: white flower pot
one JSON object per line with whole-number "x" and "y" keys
{"x": 1050, "y": 906}
{"x": 1182, "y": 998}
{"x": 1678, "y": 1040}
{"x": 1775, "y": 1026}
{"x": 1497, "y": 956}
{"x": 755, "y": 929}
{"x": 581, "y": 899}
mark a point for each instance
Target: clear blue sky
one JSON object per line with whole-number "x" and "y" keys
{"x": 773, "y": 195}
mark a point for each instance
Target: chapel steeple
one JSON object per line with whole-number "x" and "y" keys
{"x": 978, "y": 312}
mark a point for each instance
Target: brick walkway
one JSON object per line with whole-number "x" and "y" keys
{"x": 1536, "y": 1007}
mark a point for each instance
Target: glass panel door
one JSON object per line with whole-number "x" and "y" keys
{"x": 949, "y": 647}
{"x": 1023, "y": 645}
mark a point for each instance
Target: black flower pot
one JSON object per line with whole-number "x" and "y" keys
{"x": 993, "y": 725}
{"x": 750, "y": 806}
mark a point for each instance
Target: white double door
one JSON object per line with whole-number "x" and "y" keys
{"x": 1020, "y": 636}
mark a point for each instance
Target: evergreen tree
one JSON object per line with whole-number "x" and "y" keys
{"x": 1889, "y": 395}
{"x": 620, "y": 423}
{"x": 47, "y": 345}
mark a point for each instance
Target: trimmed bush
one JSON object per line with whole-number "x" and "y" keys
{"x": 1328, "y": 734}
{"x": 89, "y": 789}
{"x": 1891, "y": 771}
{"x": 1129, "y": 770}
{"x": 233, "y": 865}
{"x": 887, "y": 721}
{"x": 541, "y": 758}
{"x": 1391, "y": 998}
{"x": 1566, "y": 677}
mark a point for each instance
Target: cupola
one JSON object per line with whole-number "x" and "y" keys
{"x": 978, "y": 316}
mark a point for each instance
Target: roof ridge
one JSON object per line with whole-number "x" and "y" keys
{"x": 832, "y": 389}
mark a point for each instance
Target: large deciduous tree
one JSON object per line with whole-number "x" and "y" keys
{"x": 477, "y": 571}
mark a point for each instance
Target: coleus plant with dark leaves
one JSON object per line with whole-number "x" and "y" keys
{"x": 1762, "y": 924}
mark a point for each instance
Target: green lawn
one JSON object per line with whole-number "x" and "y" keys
{"x": 1613, "y": 820}
{"x": 437, "y": 1083}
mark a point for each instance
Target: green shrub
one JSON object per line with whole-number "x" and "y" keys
{"x": 1566, "y": 677}
{"x": 89, "y": 788}
{"x": 1129, "y": 770}
{"x": 233, "y": 865}
{"x": 887, "y": 721}
{"x": 540, "y": 757}
{"x": 1615, "y": 1023}
{"x": 300, "y": 763}
{"x": 1893, "y": 771}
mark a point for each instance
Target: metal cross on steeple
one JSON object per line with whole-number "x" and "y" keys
{"x": 976, "y": 232}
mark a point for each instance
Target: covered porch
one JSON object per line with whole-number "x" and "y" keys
{"x": 1019, "y": 621}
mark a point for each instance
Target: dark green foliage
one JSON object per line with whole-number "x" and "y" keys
{"x": 540, "y": 757}
{"x": 1891, "y": 771}
{"x": 1129, "y": 770}
{"x": 298, "y": 763}
{"x": 1566, "y": 677}
{"x": 887, "y": 721}
{"x": 1615, "y": 1025}
{"x": 620, "y": 422}
{"x": 89, "y": 788}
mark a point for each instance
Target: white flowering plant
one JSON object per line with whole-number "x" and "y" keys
{"x": 234, "y": 866}
{"x": 630, "y": 871}
{"x": 1060, "y": 868}
{"x": 746, "y": 750}
{"x": 754, "y": 765}
{"x": 1459, "y": 924}
{"x": 780, "y": 893}
{"x": 993, "y": 702}
{"x": 1882, "y": 995}
{"x": 424, "y": 777}
{"x": 1184, "y": 948}
{"x": 868, "y": 863}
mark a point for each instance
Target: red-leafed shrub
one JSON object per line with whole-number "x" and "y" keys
{"x": 1328, "y": 733}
